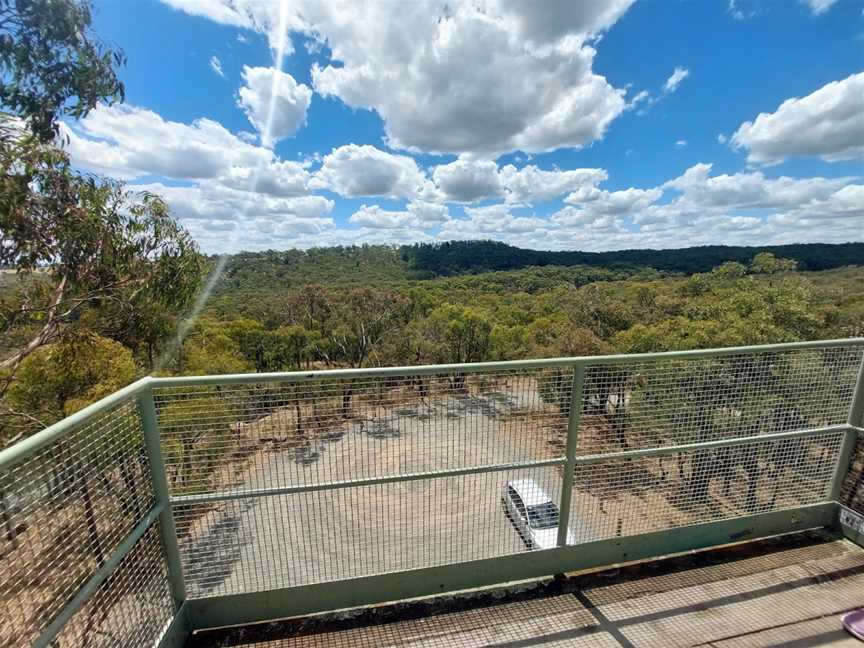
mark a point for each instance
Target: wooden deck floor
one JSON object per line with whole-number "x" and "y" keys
{"x": 786, "y": 592}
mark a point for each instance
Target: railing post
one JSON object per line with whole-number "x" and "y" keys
{"x": 856, "y": 414}
{"x": 572, "y": 440}
{"x": 147, "y": 409}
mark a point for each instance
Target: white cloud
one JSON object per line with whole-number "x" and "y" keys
{"x": 722, "y": 138}
{"x": 274, "y": 102}
{"x": 558, "y": 18}
{"x": 680, "y": 143}
{"x": 845, "y": 203}
{"x": 819, "y": 6}
{"x": 468, "y": 180}
{"x": 377, "y": 218}
{"x": 418, "y": 216}
{"x": 739, "y": 13}
{"x": 829, "y": 123}
{"x": 531, "y": 185}
{"x": 603, "y": 209}
{"x": 644, "y": 100}
{"x": 213, "y": 201}
{"x": 678, "y": 75}
{"x": 427, "y": 214}
{"x": 492, "y": 222}
{"x": 641, "y": 97}
{"x": 280, "y": 178}
{"x": 356, "y": 170}
{"x": 227, "y": 220}
{"x": 271, "y": 18}
{"x": 749, "y": 190}
{"x": 216, "y": 66}
{"x": 474, "y": 76}
{"x": 234, "y": 195}
{"x": 127, "y": 141}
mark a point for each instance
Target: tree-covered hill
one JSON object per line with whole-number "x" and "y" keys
{"x": 460, "y": 257}
{"x": 375, "y": 264}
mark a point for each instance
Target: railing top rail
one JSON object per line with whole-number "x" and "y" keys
{"x": 419, "y": 370}
{"x": 26, "y": 447}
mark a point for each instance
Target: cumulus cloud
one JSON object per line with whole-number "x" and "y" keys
{"x": 749, "y": 190}
{"x": 127, "y": 141}
{"x": 827, "y": 123}
{"x": 356, "y": 170}
{"x": 625, "y": 201}
{"x": 468, "y": 180}
{"x": 274, "y": 102}
{"x": 531, "y": 185}
{"x": 223, "y": 188}
{"x": 493, "y": 221}
{"x": 470, "y": 77}
{"x": 418, "y": 216}
{"x": 213, "y": 201}
{"x": 558, "y": 18}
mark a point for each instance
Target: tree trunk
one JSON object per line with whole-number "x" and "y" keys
{"x": 45, "y": 335}
{"x": 7, "y": 519}
{"x": 347, "y": 394}
{"x": 127, "y": 472}
{"x": 92, "y": 527}
{"x": 298, "y": 419}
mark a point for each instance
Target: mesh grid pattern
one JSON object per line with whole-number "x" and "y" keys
{"x": 659, "y": 403}
{"x": 64, "y": 510}
{"x": 253, "y": 544}
{"x": 131, "y": 608}
{"x": 240, "y": 437}
{"x": 620, "y": 497}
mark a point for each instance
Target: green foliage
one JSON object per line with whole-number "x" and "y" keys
{"x": 59, "y": 379}
{"x": 731, "y": 309}
{"x": 211, "y": 348}
{"x": 279, "y": 270}
{"x": 196, "y": 437}
{"x": 91, "y": 244}
{"x": 51, "y": 65}
{"x": 456, "y": 334}
{"x": 767, "y": 263}
{"x": 89, "y": 255}
{"x": 458, "y": 257}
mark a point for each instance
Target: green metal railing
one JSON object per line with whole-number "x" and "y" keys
{"x": 185, "y": 503}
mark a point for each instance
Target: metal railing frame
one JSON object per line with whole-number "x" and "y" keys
{"x": 196, "y": 614}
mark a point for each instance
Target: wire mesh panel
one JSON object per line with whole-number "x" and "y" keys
{"x": 248, "y": 437}
{"x": 253, "y": 544}
{"x": 63, "y": 511}
{"x": 657, "y": 403}
{"x": 628, "y": 496}
{"x": 131, "y": 608}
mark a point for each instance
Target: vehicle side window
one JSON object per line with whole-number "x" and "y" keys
{"x": 517, "y": 501}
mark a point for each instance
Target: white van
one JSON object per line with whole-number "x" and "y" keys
{"x": 534, "y": 514}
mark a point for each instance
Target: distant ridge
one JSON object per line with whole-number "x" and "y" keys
{"x": 369, "y": 264}
{"x": 461, "y": 257}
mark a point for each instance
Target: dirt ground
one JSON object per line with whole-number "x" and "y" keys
{"x": 261, "y": 543}
{"x": 284, "y": 540}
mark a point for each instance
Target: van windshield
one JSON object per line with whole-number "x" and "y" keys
{"x": 543, "y": 516}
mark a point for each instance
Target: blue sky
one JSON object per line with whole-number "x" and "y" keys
{"x": 654, "y": 123}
